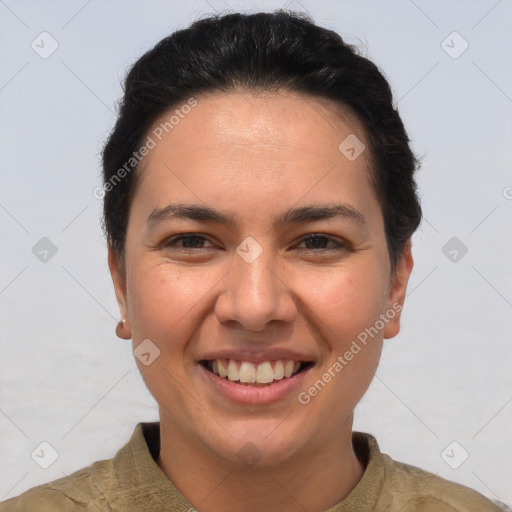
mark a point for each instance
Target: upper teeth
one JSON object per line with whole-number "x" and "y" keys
{"x": 262, "y": 373}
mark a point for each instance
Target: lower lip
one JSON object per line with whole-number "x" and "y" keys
{"x": 255, "y": 394}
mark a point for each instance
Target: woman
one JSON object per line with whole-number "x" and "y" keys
{"x": 259, "y": 203}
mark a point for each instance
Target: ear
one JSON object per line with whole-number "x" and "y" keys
{"x": 118, "y": 274}
{"x": 397, "y": 289}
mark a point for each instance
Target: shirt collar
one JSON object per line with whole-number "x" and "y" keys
{"x": 145, "y": 486}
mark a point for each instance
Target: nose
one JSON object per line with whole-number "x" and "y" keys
{"x": 255, "y": 295}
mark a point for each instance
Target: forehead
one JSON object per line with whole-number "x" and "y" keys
{"x": 275, "y": 120}
{"x": 250, "y": 147}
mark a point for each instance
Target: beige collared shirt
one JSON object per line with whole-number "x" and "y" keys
{"x": 133, "y": 482}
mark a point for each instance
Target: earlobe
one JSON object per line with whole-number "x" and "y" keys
{"x": 397, "y": 290}
{"x": 119, "y": 280}
{"x": 122, "y": 330}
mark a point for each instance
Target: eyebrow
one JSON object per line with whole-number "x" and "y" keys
{"x": 291, "y": 216}
{"x": 321, "y": 212}
{"x": 191, "y": 211}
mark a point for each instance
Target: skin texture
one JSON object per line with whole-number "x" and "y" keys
{"x": 255, "y": 156}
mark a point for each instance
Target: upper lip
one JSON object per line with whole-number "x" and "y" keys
{"x": 257, "y": 356}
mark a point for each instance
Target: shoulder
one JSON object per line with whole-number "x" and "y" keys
{"x": 81, "y": 491}
{"x": 105, "y": 485}
{"x": 392, "y": 486}
{"x": 416, "y": 489}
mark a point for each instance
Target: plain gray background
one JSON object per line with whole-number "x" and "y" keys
{"x": 65, "y": 377}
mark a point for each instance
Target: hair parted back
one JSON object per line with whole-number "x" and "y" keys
{"x": 275, "y": 51}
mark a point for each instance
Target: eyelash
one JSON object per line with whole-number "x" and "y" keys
{"x": 338, "y": 244}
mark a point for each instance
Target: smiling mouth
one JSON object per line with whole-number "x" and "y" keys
{"x": 249, "y": 374}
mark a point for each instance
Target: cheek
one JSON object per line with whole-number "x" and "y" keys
{"x": 345, "y": 309}
{"x": 164, "y": 300}
{"x": 345, "y": 302}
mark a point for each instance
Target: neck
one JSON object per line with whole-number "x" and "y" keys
{"x": 315, "y": 479}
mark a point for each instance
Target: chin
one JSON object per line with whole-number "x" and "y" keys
{"x": 262, "y": 443}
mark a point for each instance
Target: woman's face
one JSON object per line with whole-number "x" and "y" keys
{"x": 255, "y": 239}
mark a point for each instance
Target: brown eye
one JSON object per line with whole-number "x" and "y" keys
{"x": 189, "y": 241}
{"x": 322, "y": 243}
